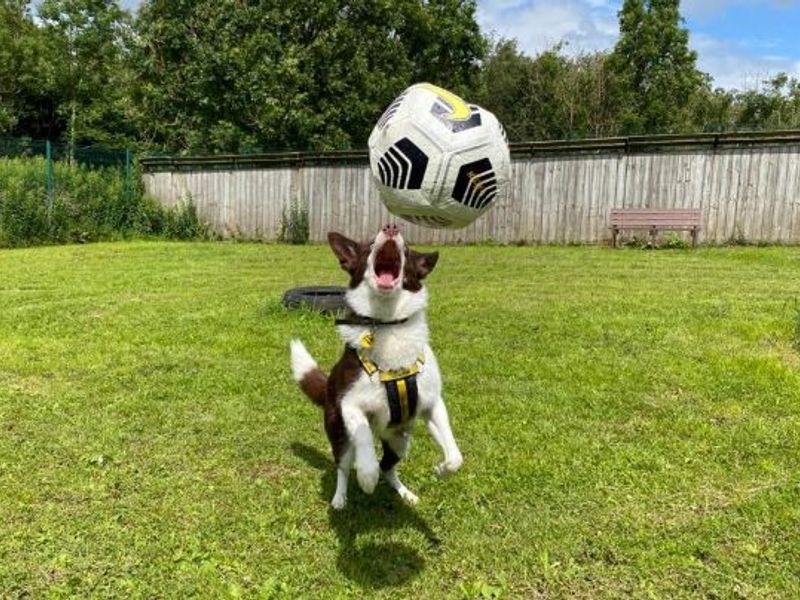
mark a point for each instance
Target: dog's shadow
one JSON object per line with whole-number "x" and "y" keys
{"x": 370, "y": 564}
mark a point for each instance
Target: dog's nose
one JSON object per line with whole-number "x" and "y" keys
{"x": 391, "y": 230}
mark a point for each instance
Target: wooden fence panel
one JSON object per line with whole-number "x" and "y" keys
{"x": 751, "y": 191}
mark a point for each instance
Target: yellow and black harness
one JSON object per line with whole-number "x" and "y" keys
{"x": 401, "y": 387}
{"x": 401, "y": 384}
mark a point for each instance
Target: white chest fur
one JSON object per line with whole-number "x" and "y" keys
{"x": 391, "y": 347}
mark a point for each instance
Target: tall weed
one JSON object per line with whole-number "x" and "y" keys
{"x": 294, "y": 224}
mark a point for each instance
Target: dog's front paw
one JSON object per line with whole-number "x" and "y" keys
{"x": 339, "y": 501}
{"x": 449, "y": 466}
{"x": 368, "y": 477}
{"x": 408, "y": 496}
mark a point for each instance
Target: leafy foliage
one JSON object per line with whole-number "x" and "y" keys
{"x": 655, "y": 71}
{"x": 26, "y": 77}
{"x": 86, "y": 205}
{"x": 550, "y": 96}
{"x": 88, "y": 40}
{"x": 235, "y": 76}
{"x": 225, "y": 76}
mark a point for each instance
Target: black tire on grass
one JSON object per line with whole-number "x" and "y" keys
{"x": 325, "y": 299}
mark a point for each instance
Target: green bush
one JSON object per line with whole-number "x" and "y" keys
{"x": 675, "y": 241}
{"x": 178, "y": 223}
{"x": 86, "y": 204}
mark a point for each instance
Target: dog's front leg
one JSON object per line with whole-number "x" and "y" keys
{"x": 357, "y": 425}
{"x": 342, "y": 475}
{"x": 439, "y": 427}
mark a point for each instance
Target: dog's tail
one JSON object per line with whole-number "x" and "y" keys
{"x": 307, "y": 374}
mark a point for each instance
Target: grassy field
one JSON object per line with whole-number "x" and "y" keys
{"x": 630, "y": 422}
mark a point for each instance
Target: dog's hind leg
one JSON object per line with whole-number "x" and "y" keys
{"x": 395, "y": 447}
{"x": 439, "y": 427}
{"x": 342, "y": 476}
{"x": 343, "y": 453}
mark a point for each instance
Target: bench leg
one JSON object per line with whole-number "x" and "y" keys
{"x": 614, "y": 232}
{"x": 653, "y": 232}
{"x": 694, "y": 237}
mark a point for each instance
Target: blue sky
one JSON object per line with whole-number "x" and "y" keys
{"x": 739, "y": 42}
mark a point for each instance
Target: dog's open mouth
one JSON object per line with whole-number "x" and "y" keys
{"x": 387, "y": 265}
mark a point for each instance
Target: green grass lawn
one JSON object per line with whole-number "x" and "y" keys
{"x": 630, "y": 423}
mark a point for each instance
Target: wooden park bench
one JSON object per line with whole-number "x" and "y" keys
{"x": 654, "y": 220}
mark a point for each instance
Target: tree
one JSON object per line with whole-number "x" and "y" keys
{"x": 550, "y": 96}
{"x": 775, "y": 107}
{"x": 25, "y": 76}
{"x": 505, "y": 88}
{"x": 88, "y": 41}
{"x": 714, "y": 111}
{"x": 231, "y": 76}
{"x": 589, "y": 94}
{"x": 444, "y": 42}
{"x": 655, "y": 72}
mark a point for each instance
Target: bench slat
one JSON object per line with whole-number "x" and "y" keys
{"x": 657, "y": 220}
{"x": 645, "y": 217}
{"x": 656, "y": 223}
{"x": 655, "y": 210}
{"x": 657, "y": 216}
{"x": 633, "y": 217}
{"x": 660, "y": 220}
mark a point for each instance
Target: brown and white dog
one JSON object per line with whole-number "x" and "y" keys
{"x": 387, "y": 375}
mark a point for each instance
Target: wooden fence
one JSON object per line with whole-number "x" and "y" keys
{"x": 747, "y": 186}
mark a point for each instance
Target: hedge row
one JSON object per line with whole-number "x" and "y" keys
{"x": 82, "y": 205}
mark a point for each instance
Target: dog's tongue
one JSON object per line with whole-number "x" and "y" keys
{"x": 385, "y": 280}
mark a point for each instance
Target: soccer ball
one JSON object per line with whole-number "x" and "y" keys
{"x": 438, "y": 161}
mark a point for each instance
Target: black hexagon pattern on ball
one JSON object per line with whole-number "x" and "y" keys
{"x": 476, "y": 184}
{"x": 403, "y": 166}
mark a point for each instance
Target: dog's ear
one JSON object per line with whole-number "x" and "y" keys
{"x": 345, "y": 249}
{"x": 424, "y": 262}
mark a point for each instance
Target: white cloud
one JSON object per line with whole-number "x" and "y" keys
{"x": 733, "y": 66}
{"x": 590, "y": 25}
{"x": 704, "y": 9}
{"x": 587, "y": 25}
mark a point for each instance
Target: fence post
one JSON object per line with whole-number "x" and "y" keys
{"x": 128, "y": 175}
{"x": 49, "y": 154}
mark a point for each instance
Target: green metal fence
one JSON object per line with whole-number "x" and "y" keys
{"x": 92, "y": 157}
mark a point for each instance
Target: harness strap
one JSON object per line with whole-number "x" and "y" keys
{"x": 389, "y": 374}
{"x": 401, "y": 386}
{"x": 403, "y": 395}
{"x": 356, "y": 319}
